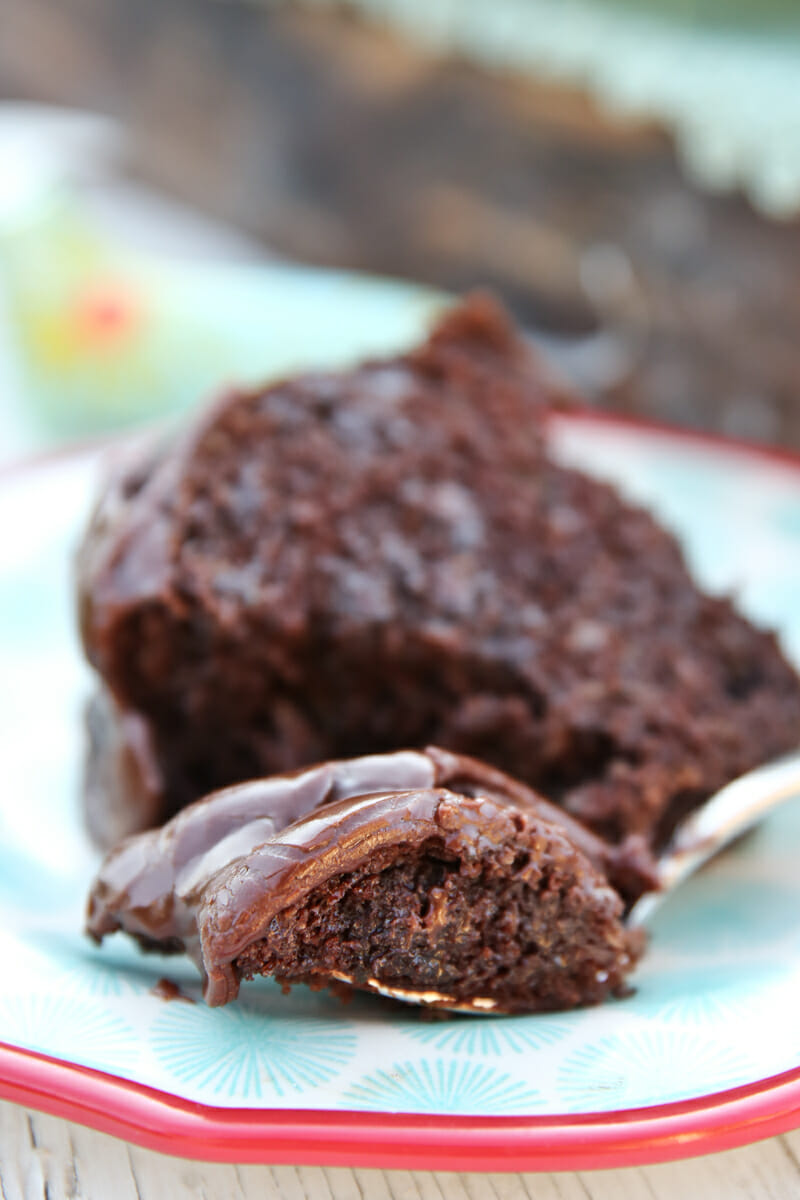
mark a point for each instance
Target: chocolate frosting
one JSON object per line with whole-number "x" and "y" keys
{"x": 152, "y": 883}
{"x": 210, "y": 879}
{"x": 337, "y": 840}
{"x": 123, "y": 786}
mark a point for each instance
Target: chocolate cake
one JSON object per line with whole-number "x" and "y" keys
{"x": 423, "y": 876}
{"x": 354, "y": 563}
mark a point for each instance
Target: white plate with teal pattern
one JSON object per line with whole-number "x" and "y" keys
{"x": 704, "y": 1055}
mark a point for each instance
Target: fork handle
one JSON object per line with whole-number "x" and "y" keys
{"x": 715, "y": 824}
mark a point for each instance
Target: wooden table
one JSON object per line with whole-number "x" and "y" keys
{"x": 43, "y": 1157}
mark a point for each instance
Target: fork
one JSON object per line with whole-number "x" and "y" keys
{"x": 707, "y": 829}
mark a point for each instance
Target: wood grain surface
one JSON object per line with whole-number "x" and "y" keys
{"x": 43, "y": 1158}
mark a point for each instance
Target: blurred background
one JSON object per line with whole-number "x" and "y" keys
{"x": 625, "y": 175}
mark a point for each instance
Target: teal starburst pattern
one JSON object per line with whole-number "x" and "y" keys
{"x": 115, "y": 969}
{"x": 720, "y": 993}
{"x": 98, "y": 976}
{"x": 648, "y": 1067}
{"x": 488, "y": 1036}
{"x": 443, "y": 1086}
{"x": 71, "y": 1027}
{"x": 713, "y": 915}
{"x": 241, "y": 1052}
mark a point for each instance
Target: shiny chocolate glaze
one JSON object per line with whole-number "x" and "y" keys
{"x": 237, "y": 911}
{"x": 208, "y": 881}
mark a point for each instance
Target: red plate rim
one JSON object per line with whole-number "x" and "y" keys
{"x": 556, "y": 1142}
{"x": 763, "y": 451}
{"x": 580, "y": 413}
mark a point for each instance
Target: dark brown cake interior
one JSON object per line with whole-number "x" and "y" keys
{"x": 353, "y": 563}
{"x": 486, "y": 897}
{"x": 427, "y": 922}
{"x": 457, "y": 901}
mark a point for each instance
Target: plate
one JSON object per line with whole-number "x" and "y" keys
{"x": 705, "y": 1055}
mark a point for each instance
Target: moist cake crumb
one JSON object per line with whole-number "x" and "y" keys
{"x": 355, "y": 562}
{"x": 485, "y": 899}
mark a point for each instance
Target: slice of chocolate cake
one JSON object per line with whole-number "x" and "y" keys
{"x": 477, "y": 895}
{"x": 353, "y": 563}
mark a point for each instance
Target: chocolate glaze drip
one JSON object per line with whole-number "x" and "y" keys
{"x": 123, "y": 786}
{"x": 210, "y": 880}
{"x": 152, "y": 883}
{"x": 237, "y": 911}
